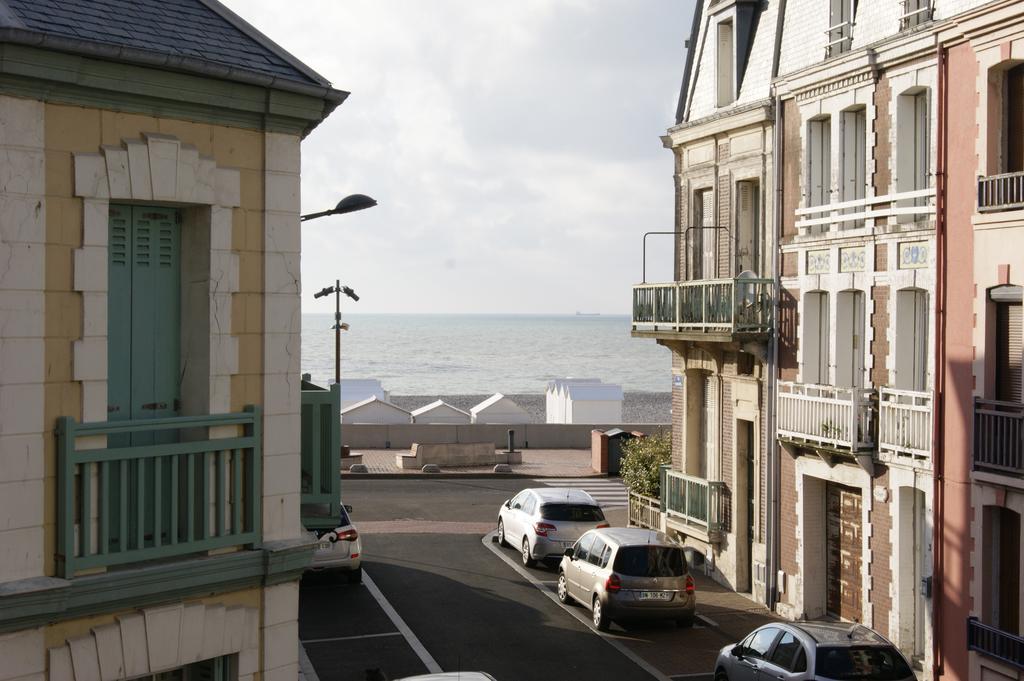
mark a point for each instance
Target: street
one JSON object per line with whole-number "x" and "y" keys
{"x": 459, "y": 605}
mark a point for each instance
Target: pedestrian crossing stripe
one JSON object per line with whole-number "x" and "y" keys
{"x": 608, "y": 493}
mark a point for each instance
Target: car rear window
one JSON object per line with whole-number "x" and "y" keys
{"x": 580, "y": 513}
{"x": 650, "y": 561}
{"x": 883, "y": 663}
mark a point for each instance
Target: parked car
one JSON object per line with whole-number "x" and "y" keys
{"x": 339, "y": 548}
{"x": 450, "y": 676}
{"x": 628, "y": 573}
{"x": 813, "y": 650}
{"x": 543, "y": 522}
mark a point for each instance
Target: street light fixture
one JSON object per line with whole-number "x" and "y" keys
{"x": 337, "y": 290}
{"x": 349, "y": 204}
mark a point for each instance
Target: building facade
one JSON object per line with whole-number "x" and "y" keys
{"x": 715, "y": 316}
{"x": 149, "y": 308}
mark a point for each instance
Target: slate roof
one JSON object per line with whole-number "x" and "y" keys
{"x": 202, "y": 30}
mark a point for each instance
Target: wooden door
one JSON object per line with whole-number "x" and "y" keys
{"x": 843, "y": 551}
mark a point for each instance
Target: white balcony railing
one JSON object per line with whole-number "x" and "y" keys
{"x": 914, "y": 13}
{"x": 644, "y": 511}
{"x": 905, "y": 427}
{"x": 711, "y": 305}
{"x": 909, "y": 206}
{"x": 840, "y": 418}
{"x": 1001, "y": 192}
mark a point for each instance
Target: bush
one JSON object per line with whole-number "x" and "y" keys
{"x": 642, "y": 458}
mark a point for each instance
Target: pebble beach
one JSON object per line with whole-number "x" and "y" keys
{"x": 637, "y": 407}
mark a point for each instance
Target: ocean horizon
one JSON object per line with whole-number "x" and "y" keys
{"x": 472, "y": 354}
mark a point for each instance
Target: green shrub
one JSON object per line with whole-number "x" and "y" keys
{"x": 642, "y": 458}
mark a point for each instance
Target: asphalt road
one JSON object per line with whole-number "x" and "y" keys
{"x": 463, "y": 606}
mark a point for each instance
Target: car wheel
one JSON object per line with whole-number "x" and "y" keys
{"x": 563, "y": 590}
{"x": 355, "y": 576}
{"x": 501, "y": 533}
{"x": 685, "y": 622}
{"x": 528, "y": 560}
{"x": 720, "y": 675}
{"x": 601, "y": 620}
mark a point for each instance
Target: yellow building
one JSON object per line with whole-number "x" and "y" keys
{"x": 149, "y": 334}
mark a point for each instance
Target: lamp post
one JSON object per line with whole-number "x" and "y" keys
{"x": 349, "y": 204}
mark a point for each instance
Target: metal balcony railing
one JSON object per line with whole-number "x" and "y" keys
{"x": 732, "y": 306}
{"x": 988, "y": 640}
{"x": 905, "y": 427}
{"x": 999, "y": 437}
{"x": 694, "y": 501}
{"x": 133, "y": 491}
{"x": 1001, "y": 192}
{"x": 841, "y": 418}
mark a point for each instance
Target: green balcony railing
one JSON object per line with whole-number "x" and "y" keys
{"x": 733, "y": 306}
{"x": 695, "y": 501}
{"x": 321, "y": 456}
{"x": 132, "y": 491}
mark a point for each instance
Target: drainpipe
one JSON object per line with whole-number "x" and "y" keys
{"x": 938, "y": 421}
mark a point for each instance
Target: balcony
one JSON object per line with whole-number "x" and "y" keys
{"x": 134, "y": 491}
{"x": 905, "y": 427}
{"x": 987, "y": 640}
{"x": 999, "y": 437}
{"x": 693, "y": 502}
{"x": 1001, "y": 192}
{"x": 644, "y": 511}
{"x": 911, "y": 207}
{"x": 712, "y": 309}
{"x": 826, "y": 416}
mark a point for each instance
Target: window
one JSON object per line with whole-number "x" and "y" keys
{"x": 840, "y": 31}
{"x": 1001, "y": 568}
{"x": 760, "y": 642}
{"x": 651, "y": 561}
{"x": 1008, "y": 343}
{"x": 747, "y": 237}
{"x": 819, "y": 161}
{"x": 815, "y": 338}
{"x": 703, "y": 236}
{"x": 596, "y": 551}
{"x": 915, "y": 13}
{"x": 1013, "y": 114}
{"x": 577, "y": 513}
{"x": 789, "y": 654}
{"x": 853, "y": 167}
{"x": 529, "y": 503}
{"x": 861, "y": 663}
{"x": 517, "y": 500}
{"x": 726, "y": 71}
{"x": 583, "y": 546}
{"x": 912, "y": 166}
{"x": 850, "y": 339}
{"x": 911, "y": 339}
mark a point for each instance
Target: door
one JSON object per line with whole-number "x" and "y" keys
{"x": 850, "y": 339}
{"x": 747, "y": 232}
{"x": 843, "y": 549}
{"x": 815, "y": 339}
{"x": 709, "y": 424}
{"x": 143, "y": 313}
{"x": 746, "y": 440}
{"x": 911, "y": 339}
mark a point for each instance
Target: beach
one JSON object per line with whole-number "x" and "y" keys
{"x": 637, "y": 407}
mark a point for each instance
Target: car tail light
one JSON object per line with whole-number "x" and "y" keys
{"x": 690, "y": 586}
{"x": 542, "y": 529}
{"x": 348, "y": 535}
{"x": 603, "y": 525}
{"x": 613, "y": 583}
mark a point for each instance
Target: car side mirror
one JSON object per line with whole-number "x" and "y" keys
{"x": 508, "y": 503}
{"x": 568, "y": 552}
{"x": 348, "y": 508}
{"x": 737, "y": 651}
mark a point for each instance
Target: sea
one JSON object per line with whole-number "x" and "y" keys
{"x": 481, "y": 354}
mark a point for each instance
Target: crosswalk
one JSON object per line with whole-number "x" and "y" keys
{"x": 609, "y": 492}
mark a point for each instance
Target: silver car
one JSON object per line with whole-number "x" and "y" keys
{"x": 628, "y": 573}
{"x": 339, "y": 549}
{"x": 543, "y": 522}
{"x": 795, "y": 651}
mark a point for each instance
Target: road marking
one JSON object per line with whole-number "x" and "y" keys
{"x": 693, "y": 677}
{"x": 351, "y": 638}
{"x": 707, "y": 620}
{"x": 432, "y": 666}
{"x": 306, "y": 671}
{"x": 608, "y": 493}
{"x": 610, "y": 638}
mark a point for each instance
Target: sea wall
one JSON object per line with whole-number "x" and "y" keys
{"x": 527, "y": 435}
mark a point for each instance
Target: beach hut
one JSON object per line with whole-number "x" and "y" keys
{"x": 498, "y": 409}
{"x": 440, "y": 412}
{"x": 593, "y": 403}
{"x": 355, "y": 390}
{"x": 376, "y": 411}
{"x": 555, "y": 397}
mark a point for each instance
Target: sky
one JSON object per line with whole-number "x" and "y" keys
{"x": 513, "y": 148}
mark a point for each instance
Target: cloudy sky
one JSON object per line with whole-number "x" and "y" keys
{"x": 513, "y": 148}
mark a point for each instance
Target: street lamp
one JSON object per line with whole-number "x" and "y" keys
{"x": 349, "y": 204}
{"x": 337, "y": 290}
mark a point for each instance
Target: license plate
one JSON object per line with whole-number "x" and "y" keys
{"x": 324, "y": 546}
{"x": 655, "y": 595}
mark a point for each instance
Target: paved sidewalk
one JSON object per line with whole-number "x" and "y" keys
{"x": 540, "y": 463}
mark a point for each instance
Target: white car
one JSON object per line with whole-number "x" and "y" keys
{"x": 543, "y": 522}
{"x": 339, "y": 549}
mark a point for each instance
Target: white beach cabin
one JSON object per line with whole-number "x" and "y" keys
{"x": 355, "y": 390}
{"x": 593, "y": 403}
{"x": 498, "y": 409}
{"x": 440, "y": 412}
{"x": 375, "y": 411}
{"x": 555, "y": 396}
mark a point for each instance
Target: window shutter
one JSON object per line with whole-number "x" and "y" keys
{"x": 921, "y": 141}
{"x": 709, "y": 236}
{"x": 746, "y": 221}
{"x": 1008, "y": 352}
{"x": 709, "y": 422}
{"x": 726, "y": 70}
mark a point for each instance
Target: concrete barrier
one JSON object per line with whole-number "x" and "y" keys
{"x": 528, "y": 435}
{"x": 454, "y": 455}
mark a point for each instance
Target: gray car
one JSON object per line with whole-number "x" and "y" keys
{"x": 622, "y": 573}
{"x": 827, "y": 651}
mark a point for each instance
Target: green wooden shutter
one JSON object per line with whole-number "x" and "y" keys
{"x": 119, "y": 297}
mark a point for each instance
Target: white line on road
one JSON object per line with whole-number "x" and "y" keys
{"x": 707, "y": 620}
{"x": 610, "y": 638}
{"x": 350, "y": 638}
{"x": 306, "y": 671}
{"x": 432, "y": 666}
